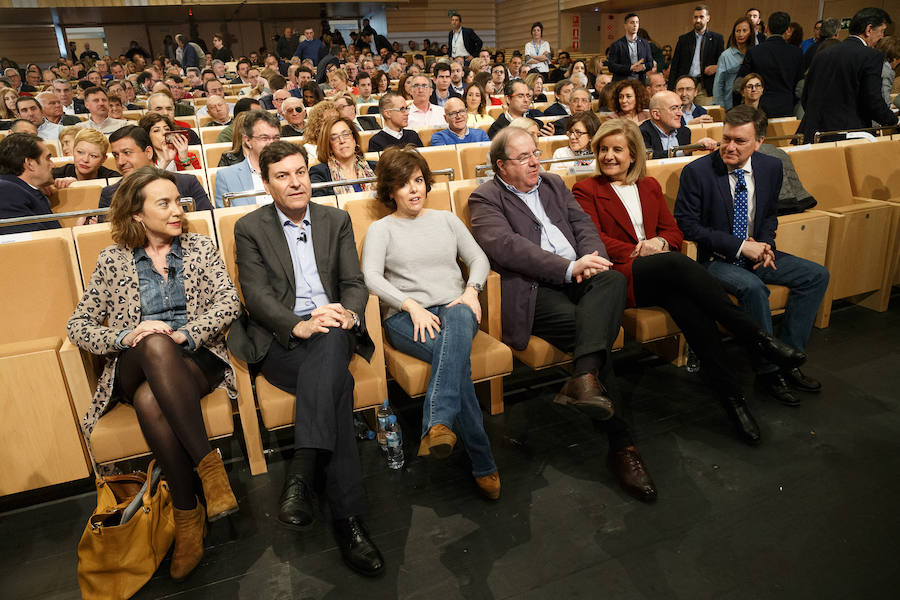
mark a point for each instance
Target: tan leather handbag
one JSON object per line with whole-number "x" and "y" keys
{"x": 127, "y": 536}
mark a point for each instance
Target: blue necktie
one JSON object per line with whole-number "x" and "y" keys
{"x": 739, "y": 228}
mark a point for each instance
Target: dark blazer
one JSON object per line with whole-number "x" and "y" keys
{"x": 69, "y": 171}
{"x": 619, "y": 61}
{"x": 704, "y": 208}
{"x": 502, "y": 121}
{"x": 697, "y": 112}
{"x": 381, "y": 140}
{"x": 382, "y": 42}
{"x": 187, "y": 185}
{"x": 18, "y": 199}
{"x": 510, "y": 235}
{"x": 320, "y": 173}
{"x": 843, "y": 90}
{"x": 67, "y": 120}
{"x": 287, "y": 46}
{"x": 653, "y": 141}
{"x": 780, "y": 65}
{"x": 598, "y": 199}
{"x": 712, "y": 47}
{"x": 453, "y": 94}
{"x": 555, "y": 109}
{"x": 368, "y": 122}
{"x": 266, "y": 275}
{"x": 471, "y": 41}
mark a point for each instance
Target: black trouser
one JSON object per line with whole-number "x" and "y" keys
{"x": 584, "y": 318}
{"x": 696, "y": 301}
{"x": 316, "y": 370}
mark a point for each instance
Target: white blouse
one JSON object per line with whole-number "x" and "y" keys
{"x": 628, "y": 194}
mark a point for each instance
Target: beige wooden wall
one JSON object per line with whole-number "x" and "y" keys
{"x": 515, "y": 17}
{"x": 36, "y": 44}
{"x": 422, "y": 19}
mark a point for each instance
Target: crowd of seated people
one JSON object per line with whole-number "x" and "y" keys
{"x": 570, "y": 261}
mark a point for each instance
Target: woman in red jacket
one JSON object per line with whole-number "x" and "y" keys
{"x": 642, "y": 241}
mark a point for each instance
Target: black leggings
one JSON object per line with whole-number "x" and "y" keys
{"x": 165, "y": 382}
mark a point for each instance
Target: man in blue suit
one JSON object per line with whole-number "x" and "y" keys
{"x": 629, "y": 56}
{"x": 727, "y": 202}
{"x": 261, "y": 128}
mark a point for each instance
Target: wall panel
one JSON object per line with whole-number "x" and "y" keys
{"x": 514, "y": 23}
{"x": 422, "y": 19}
{"x": 35, "y": 44}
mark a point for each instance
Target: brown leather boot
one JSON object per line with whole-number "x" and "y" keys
{"x": 489, "y": 485}
{"x": 220, "y": 500}
{"x": 438, "y": 442}
{"x": 190, "y": 528}
{"x": 588, "y": 395}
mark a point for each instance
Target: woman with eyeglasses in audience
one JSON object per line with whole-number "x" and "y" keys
{"x": 751, "y": 89}
{"x": 642, "y": 240}
{"x": 580, "y": 130}
{"x": 410, "y": 262}
{"x": 340, "y": 158}
{"x": 170, "y": 147}
{"x": 89, "y": 153}
{"x": 156, "y": 311}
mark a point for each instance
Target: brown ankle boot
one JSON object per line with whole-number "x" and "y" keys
{"x": 489, "y": 485}
{"x": 438, "y": 442}
{"x": 220, "y": 500}
{"x": 190, "y": 528}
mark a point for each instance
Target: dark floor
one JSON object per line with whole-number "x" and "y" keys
{"x": 812, "y": 513}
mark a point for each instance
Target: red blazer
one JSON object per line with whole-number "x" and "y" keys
{"x": 602, "y": 204}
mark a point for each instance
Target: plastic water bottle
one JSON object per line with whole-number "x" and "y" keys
{"x": 693, "y": 362}
{"x": 394, "y": 443}
{"x": 384, "y": 411}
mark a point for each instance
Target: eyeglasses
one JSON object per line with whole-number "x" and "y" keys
{"x": 266, "y": 138}
{"x": 753, "y": 86}
{"x": 525, "y": 96}
{"x": 402, "y": 109}
{"x": 576, "y": 134}
{"x": 293, "y": 110}
{"x": 456, "y": 113}
{"x": 524, "y": 159}
{"x": 420, "y": 86}
{"x": 336, "y": 137}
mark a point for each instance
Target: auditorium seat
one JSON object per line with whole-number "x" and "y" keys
{"x": 781, "y": 126}
{"x": 80, "y": 195}
{"x": 214, "y": 151}
{"x": 494, "y": 111}
{"x": 364, "y": 137}
{"x": 471, "y": 156}
{"x": 491, "y": 360}
{"x": 208, "y": 135}
{"x": 40, "y": 439}
{"x": 425, "y": 134}
{"x": 277, "y": 407}
{"x": 442, "y": 157}
{"x": 860, "y": 233}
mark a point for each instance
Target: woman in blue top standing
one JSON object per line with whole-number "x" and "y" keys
{"x": 730, "y": 60}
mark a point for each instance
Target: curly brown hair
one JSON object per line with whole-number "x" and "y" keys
{"x": 395, "y": 167}
{"x": 641, "y": 98}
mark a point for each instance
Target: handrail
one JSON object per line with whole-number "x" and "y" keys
{"x": 690, "y": 147}
{"x": 821, "y": 134}
{"x": 481, "y": 169}
{"x": 686, "y": 148}
{"x": 229, "y": 196}
{"x": 187, "y": 201}
{"x": 781, "y": 138}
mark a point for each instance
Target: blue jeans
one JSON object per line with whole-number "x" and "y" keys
{"x": 807, "y": 282}
{"x": 450, "y": 399}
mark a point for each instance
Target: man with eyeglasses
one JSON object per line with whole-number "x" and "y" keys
{"x": 346, "y": 106}
{"x": 395, "y": 115}
{"x": 457, "y": 131}
{"x": 691, "y": 114}
{"x": 579, "y": 101}
{"x": 665, "y": 130}
{"x": 519, "y": 98}
{"x": 260, "y": 129}
{"x": 295, "y": 115}
{"x": 556, "y": 284}
{"x": 423, "y": 113}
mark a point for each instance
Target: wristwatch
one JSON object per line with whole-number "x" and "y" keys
{"x": 478, "y": 287}
{"x": 355, "y": 317}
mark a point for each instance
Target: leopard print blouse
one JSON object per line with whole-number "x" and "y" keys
{"x": 112, "y": 303}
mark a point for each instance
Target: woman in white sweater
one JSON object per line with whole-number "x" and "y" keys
{"x": 409, "y": 262}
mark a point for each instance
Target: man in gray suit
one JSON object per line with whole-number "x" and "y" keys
{"x": 306, "y": 298}
{"x": 556, "y": 284}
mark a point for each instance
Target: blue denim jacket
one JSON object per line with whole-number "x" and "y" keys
{"x": 162, "y": 300}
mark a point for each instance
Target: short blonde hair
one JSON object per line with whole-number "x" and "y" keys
{"x": 71, "y": 131}
{"x": 629, "y": 129}
{"x": 91, "y": 136}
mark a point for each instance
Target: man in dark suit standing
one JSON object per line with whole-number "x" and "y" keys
{"x": 697, "y": 54}
{"x": 556, "y": 284}
{"x": 727, "y": 203}
{"x": 664, "y": 129}
{"x": 780, "y": 65}
{"x": 462, "y": 41}
{"x": 629, "y": 57}
{"x": 843, "y": 85}
{"x": 306, "y": 298}
{"x": 756, "y": 21}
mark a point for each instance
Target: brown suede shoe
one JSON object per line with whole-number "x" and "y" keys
{"x": 588, "y": 395}
{"x": 489, "y": 485}
{"x": 190, "y": 528}
{"x": 629, "y": 469}
{"x": 438, "y": 442}
{"x": 220, "y": 500}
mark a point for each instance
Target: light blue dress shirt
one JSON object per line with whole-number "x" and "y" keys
{"x": 695, "y": 62}
{"x": 310, "y": 292}
{"x": 726, "y": 72}
{"x": 668, "y": 141}
{"x": 552, "y": 239}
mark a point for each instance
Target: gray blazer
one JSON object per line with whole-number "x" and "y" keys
{"x": 266, "y": 276}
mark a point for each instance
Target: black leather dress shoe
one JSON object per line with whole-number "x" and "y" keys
{"x": 739, "y": 415}
{"x": 629, "y": 469}
{"x": 774, "y": 385}
{"x": 797, "y": 380}
{"x": 779, "y": 353}
{"x": 358, "y": 550}
{"x": 297, "y": 503}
